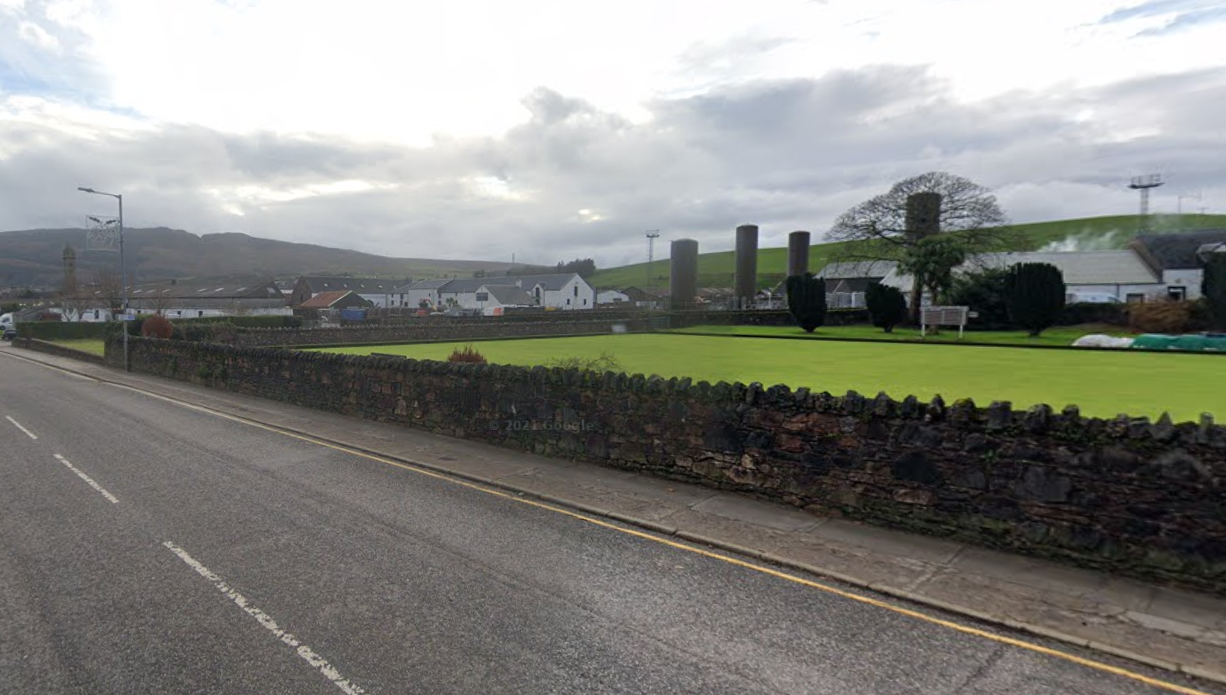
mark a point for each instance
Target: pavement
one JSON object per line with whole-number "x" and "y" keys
{"x": 1161, "y": 627}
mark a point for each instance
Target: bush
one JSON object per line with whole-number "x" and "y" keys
{"x": 1091, "y": 312}
{"x": 467, "y": 354}
{"x": 157, "y": 326}
{"x": 887, "y": 307}
{"x": 1213, "y": 286}
{"x": 1034, "y": 294}
{"x": 984, "y": 292}
{"x": 1168, "y": 317}
{"x": 605, "y": 363}
{"x": 807, "y": 300}
{"x": 61, "y": 330}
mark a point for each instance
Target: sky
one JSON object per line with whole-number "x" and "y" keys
{"x": 555, "y": 129}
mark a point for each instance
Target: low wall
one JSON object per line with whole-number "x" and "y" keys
{"x": 61, "y": 351}
{"x": 1140, "y": 498}
{"x": 426, "y": 331}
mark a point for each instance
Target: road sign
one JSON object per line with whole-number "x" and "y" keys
{"x": 127, "y": 317}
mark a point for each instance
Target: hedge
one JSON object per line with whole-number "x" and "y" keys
{"x": 61, "y": 330}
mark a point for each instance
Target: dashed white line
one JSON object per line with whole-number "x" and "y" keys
{"x": 306, "y": 653}
{"x": 87, "y": 479}
{"x": 29, "y": 434}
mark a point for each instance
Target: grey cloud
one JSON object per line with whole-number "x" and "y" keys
{"x": 782, "y": 154}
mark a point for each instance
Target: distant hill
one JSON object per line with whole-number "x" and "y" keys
{"x": 32, "y": 258}
{"x": 717, "y": 269}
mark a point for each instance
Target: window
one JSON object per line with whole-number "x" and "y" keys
{"x": 568, "y": 302}
{"x": 585, "y": 301}
{"x": 576, "y": 290}
{"x": 199, "y": 313}
{"x": 1177, "y": 293}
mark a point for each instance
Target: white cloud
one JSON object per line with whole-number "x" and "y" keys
{"x": 38, "y": 36}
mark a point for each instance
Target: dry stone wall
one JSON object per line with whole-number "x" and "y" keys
{"x": 1142, "y": 498}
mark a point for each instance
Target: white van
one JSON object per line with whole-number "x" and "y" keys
{"x": 6, "y": 320}
{"x": 1091, "y": 298}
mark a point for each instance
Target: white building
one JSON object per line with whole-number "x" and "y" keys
{"x": 1177, "y": 258}
{"x": 380, "y": 293}
{"x": 559, "y": 291}
{"x": 173, "y": 299}
{"x": 412, "y": 295}
{"x": 612, "y": 297}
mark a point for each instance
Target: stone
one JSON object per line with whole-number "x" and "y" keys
{"x": 1038, "y": 483}
{"x": 914, "y": 466}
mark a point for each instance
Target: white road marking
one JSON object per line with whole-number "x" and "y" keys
{"x": 29, "y": 434}
{"x": 307, "y": 654}
{"x": 88, "y": 479}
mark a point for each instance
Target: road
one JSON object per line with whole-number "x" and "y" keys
{"x": 150, "y": 547}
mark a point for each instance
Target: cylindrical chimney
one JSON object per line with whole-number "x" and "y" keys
{"x": 683, "y": 273}
{"x": 798, "y": 253}
{"x": 745, "y": 285}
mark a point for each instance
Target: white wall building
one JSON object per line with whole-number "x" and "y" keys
{"x": 560, "y": 291}
{"x": 612, "y": 297}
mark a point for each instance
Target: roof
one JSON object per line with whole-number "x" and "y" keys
{"x": 857, "y": 269}
{"x": 1176, "y": 250}
{"x": 233, "y": 288}
{"x": 424, "y": 285}
{"x": 551, "y": 282}
{"x": 473, "y": 284}
{"x": 323, "y": 283}
{"x": 1122, "y": 267}
{"x": 325, "y": 300}
{"x": 510, "y": 296}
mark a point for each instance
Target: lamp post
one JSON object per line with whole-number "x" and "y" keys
{"x": 123, "y": 271}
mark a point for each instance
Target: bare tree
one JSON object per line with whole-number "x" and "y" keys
{"x": 891, "y": 226}
{"x": 108, "y": 288}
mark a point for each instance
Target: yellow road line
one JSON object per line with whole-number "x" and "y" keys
{"x": 1047, "y": 651}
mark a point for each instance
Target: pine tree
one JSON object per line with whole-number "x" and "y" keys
{"x": 1034, "y": 294}
{"x": 807, "y": 300}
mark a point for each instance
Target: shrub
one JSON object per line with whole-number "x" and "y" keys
{"x": 467, "y": 354}
{"x": 984, "y": 292}
{"x": 62, "y": 330}
{"x": 157, "y": 326}
{"x": 605, "y": 363}
{"x": 887, "y": 307}
{"x": 1166, "y": 317}
{"x": 1213, "y": 286}
{"x": 807, "y": 300}
{"x": 1034, "y": 295}
{"x": 1091, "y": 312}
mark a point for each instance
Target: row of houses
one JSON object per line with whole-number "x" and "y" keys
{"x": 1151, "y": 267}
{"x": 490, "y": 295}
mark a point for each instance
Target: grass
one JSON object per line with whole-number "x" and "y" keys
{"x": 716, "y": 269}
{"x": 1101, "y": 383}
{"x": 1063, "y": 336}
{"x": 92, "y": 345}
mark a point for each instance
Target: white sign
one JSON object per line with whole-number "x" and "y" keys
{"x": 127, "y": 317}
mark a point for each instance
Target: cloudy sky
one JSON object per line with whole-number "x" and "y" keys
{"x": 555, "y": 129}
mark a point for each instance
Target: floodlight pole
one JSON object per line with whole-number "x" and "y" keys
{"x": 123, "y": 272}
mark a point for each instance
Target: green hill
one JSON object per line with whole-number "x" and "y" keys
{"x": 716, "y": 269}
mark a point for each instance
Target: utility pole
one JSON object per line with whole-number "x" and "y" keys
{"x": 123, "y": 272}
{"x": 652, "y": 235}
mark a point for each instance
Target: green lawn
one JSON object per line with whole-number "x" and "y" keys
{"x": 94, "y": 345}
{"x": 1101, "y": 383}
{"x": 1063, "y": 336}
{"x": 716, "y": 269}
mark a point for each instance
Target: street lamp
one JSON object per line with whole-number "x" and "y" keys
{"x": 123, "y": 271}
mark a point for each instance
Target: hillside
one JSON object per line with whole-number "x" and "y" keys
{"x": 32, "y": 258}
{"x": 717, "y": 269}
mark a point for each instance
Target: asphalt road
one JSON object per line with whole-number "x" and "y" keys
{"x": 146, "y": 547}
